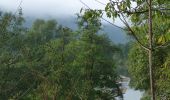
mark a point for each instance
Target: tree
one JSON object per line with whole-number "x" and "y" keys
{"x": 46, "y": 43}
{"x": 11, "y": 44}
{"x": 141, "y": 13}
{"x": 74, "y": 63}
{"x": 97, "y": 55}
{"x": 161, "y": 27}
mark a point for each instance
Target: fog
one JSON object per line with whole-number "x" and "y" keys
{"x": 49, "y": 7}
{"x": 52, "y": 8}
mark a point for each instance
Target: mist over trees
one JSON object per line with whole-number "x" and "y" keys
{"x": 48, "y": 61}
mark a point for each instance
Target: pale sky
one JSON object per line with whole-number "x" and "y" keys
{"x": 52, "y": 8}
{"x": 49, "y": 7}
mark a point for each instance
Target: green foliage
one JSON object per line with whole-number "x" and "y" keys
{"x": 138, "y": 65}
{"x": 164, "y": 76}
{"x": 121, "y": 59}
{"x": 137, "y": 12}
{"x": 11, "y": 69}
{"x": 145, "y": 97}
{"x": 48, "y": 61}
{"x": 138, "y": 68}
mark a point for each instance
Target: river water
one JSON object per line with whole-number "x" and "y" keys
{"x": 132, "y": 94}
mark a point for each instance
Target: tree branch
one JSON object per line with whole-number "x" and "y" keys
{"x": 102, "y": 17}
{"x": 163, "y": 46}
{"x": 10, "y": 18}
{"x": 26, "y": 92}
{"x": 101, "y": 2}
{"x": 125, "y": 22}
{"x": 132, "y": 32}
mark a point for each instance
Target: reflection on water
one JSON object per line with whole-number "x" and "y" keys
{"x": 129, "y": 93}
{"x": 132, "y": 94}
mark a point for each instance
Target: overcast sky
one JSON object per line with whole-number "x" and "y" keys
{"x": 50, "y": 8}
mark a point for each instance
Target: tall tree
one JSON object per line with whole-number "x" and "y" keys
{"x": 143, "y": 12}
{"x": 97, "y": 53}
{"x": 139, "y": 65}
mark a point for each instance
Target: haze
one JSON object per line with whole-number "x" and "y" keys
{"x": 48, "y": 7}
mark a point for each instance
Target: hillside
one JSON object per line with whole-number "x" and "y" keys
{"x": 115, "y": 34}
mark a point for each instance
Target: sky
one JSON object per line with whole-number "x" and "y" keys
{"x": 51, "y": 8}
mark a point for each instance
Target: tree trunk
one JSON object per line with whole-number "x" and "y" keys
{"x": 151, "y": 74}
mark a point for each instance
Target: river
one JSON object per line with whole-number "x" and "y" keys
{"x": 132, "y": 94}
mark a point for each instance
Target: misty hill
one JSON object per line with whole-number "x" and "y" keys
{"x": 115, "y": 34}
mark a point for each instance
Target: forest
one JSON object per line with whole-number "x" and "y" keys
{"x": 49, "y": 61}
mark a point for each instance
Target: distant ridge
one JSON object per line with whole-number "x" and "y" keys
{"x": 115, "y": 34}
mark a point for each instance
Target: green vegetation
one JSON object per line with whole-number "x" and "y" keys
{"x": 148, "y": 55}
{"x": 138, "y": 59}
{"x": 52, "y": 62}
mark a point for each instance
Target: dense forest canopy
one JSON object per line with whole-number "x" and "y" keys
{"x": 48, "y": 61}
